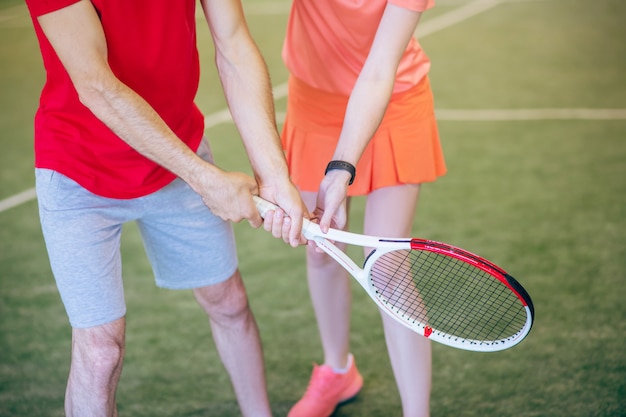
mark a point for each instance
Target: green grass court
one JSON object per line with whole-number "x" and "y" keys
{"x": 531, "y": 97}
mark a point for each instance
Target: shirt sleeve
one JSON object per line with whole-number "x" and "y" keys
{"x": 41, "y": 7}
{"x": 415, "y": 5}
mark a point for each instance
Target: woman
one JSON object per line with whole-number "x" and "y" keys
{"x": 360, "y": 121}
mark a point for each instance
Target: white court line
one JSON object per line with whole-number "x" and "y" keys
{"x": 530, "y": 114}
{"x": 223, "y": 116}
{"x": 508, "y": 115}
{"x": 455, "y": 16}
{"x": 17, "y": 199}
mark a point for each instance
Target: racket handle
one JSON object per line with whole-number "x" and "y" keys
{"x": 312, "y": 231}
{"x": 308, "y": 229}
{"x": 263, "y": 205}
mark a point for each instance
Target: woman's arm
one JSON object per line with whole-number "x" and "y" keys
{"x": 366, "y": 107}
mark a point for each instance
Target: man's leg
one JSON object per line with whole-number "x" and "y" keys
{"x": 97, "y": 355}
{"x": 82, "y": 234}
{"x": 237, "y": 339}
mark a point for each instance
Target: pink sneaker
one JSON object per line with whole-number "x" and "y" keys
{"x": 327, "y": 390}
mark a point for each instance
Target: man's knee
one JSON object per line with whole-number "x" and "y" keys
{"x": 226, "y": 301}
{"x": 100, "y": 348}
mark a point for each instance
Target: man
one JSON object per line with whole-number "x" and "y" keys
{"x": 118, "y": 138}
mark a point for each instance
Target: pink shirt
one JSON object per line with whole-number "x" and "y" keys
{"x": 328, "y": 41}
{"x": 152, "y": 49}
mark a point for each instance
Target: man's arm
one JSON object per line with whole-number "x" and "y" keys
{"x": 76, "y": 34}
{"x": 247, "y": 88}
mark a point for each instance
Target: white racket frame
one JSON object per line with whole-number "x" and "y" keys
{"x": 382, "y": 246}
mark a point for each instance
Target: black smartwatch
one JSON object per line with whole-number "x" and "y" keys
{"x": 343, "y": 165}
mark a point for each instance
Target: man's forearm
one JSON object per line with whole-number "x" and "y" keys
{"x": 248, "y": 92}
{"x": 130, "y": 117}
{"x": 76, "y": 34}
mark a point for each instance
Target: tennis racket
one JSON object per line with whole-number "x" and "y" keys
{"x": 440, "y": 291}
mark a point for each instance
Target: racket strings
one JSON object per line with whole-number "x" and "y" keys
{"x": 450, "y": 295}
{"x": 397, "y": 287}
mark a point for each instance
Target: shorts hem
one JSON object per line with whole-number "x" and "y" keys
{"x": 190, "y": 285}
{"x": 95, "y": 323}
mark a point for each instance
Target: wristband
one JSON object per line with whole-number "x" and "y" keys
{"x": 343, "y": 165}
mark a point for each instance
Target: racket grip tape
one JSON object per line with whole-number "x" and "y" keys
{"x": 309, "y": 229}
{"x": 263, "y": 205}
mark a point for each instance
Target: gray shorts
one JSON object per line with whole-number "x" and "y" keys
{"x": 188, "y": 247}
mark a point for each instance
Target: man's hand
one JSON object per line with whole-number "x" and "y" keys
{"x": 228, "y": 195}
{"x": 286, "y": 222}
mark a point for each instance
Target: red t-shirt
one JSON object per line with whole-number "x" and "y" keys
{"x": 152, "y": 49}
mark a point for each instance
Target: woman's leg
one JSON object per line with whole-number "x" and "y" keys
{"x": 338, "y": 379}
{"x": 410, "y": 353}
{"x": 330, "y": 291}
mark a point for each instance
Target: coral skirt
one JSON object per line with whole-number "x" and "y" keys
{"x": 404, "y": 150}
